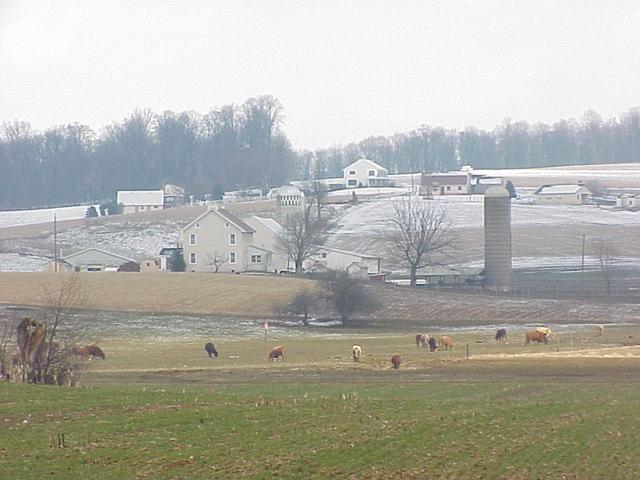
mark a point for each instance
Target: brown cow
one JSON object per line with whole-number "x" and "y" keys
{"x": 395, "y": 361}
{"x": 421, "y": 340}
{"x": 536, "y": 336}
{"x": 277, "y": 353}
{"x": 88, "y": 351}
{"x": 446, "y": 342}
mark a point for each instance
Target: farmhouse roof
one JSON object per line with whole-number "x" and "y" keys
{"x": 268, "y": 223}
{"x": 560, "y": 189}
{"x": 364, "y": 161}
{"x": 346, "y": 252}
{"x": 225, "y": 214}
{"x": 93, "y": 249}
{"x": 445, "y": 178}
{"x": 140, "y": 197}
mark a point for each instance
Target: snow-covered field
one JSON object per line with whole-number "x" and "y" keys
{"x": 359, "y": 228}
{"x": 14, "y": 218}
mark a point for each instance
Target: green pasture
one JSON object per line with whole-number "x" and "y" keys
{"x": 163, "y": 410}
{"x": 476, "y": 430}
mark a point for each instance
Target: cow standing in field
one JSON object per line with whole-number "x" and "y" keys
{"x": 446, "y": 342}
{"x": 421, "y": 340}
{"x": 277, "y": 353}
{"x": 433, "y": 345}
{"x": 395, "y": 361}
{"x": 501, "y": 335}
{"x": 211, "y": 350}
{"x": 536, "y": 336}
{"x": 599, "y": 330}
{"x": 356, "y": 351}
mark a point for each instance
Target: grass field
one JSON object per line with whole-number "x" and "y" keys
{"x": 567, "y": 410}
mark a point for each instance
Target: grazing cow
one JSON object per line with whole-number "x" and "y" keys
{"x": 277, "y": 353}
{"x": 395, "y": 361}
{"x": 211, "y": 350}
{"x": 501, "y": 334}
{"x": 536, "y": 336}
{"x": 599, "y": 330}
{"x": 546, "y": 330}
{"x": 421, "y": 340}
{"x": 446, "y": 342}
{"x": 356, "y": 351}
{"x": 433, "y": 345}
{"x": 88, "y": 352}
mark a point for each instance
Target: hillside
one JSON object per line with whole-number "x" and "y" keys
{"x": 261, "y": 297}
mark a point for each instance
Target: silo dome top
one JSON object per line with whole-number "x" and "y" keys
{"x": 497, "y": 191}
{"x": 290, "y": 190}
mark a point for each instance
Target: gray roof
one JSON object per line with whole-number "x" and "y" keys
{"x": 140, "y": 197}
{"x": 559, "y": 189}
{"x": 228, "y": 216}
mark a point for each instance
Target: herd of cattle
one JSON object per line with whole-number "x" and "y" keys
{"x": 539, "y": 335}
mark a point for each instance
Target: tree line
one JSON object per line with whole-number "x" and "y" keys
{"x": 232, "y": 147}
{"x": 244, "y": 146}
{"x": 589, "y": 140}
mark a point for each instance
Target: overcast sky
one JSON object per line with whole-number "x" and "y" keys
{"x": 343, "y": 70}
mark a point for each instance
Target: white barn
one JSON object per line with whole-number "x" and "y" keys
{"x": 562, "y": 195}
{"x": 134, "y": 201}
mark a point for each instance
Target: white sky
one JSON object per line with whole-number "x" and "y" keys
{"x": 343, "y": 70}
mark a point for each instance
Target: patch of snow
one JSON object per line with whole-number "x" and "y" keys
{"x": 14, "y": 218}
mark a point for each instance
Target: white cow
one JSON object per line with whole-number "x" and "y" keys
{"x": 356, "y": 351}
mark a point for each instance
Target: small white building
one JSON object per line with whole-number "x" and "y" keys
{"x": 357, "y": 264}
{"x": 627, "y": 202}
{"x": 133, "y": 201}
{"x": 562, "y": 195}
{"x": 365, "y": 173}
{"x": 90, "y": 260}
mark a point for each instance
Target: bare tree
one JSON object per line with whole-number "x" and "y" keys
{"x": 301, "y": 304}
{"x": 54, "y": 362}
{"x": 300, "y": 238}
{"x": 215, "y": 260}
{"x": 420, "y": 235}
{"x": 605, "y": 251}
{"x": 347, "y": 295}
{"x": 318, "y": 195}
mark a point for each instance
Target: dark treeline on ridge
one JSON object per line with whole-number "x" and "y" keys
{"x": 244, "y": 146}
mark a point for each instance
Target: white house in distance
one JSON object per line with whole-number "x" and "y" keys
{"x": 134, "y": 201}
{"x": 365, "y": 173}
{"x": 562, "y": 195}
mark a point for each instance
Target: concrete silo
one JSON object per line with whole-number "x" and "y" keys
{"x": 290, "y": 201}
{"x": 497, "y": 239}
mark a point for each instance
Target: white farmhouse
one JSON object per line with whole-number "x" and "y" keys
{"x": 218, "y": 241}
{"x": 134, "y": 201}
{"x": 365, "y": 173}
{"x": 562, "y": 195}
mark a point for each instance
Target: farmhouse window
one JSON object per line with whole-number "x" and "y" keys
{"x": 352, "y": 172}
{"x": 352, "y": 183}
{"x": 192, "y": 239}
{"x": 198, "y": 225}
{"x": 256, "y": 258}
{"x": 232, "y": 257}
{"x": 226, "y": 224}
{"x": 459, "y": 188}
{"x": 372, "y": 173}
{"x": 232, "y": 239}
{"x": 448, "y": 187}
{"x": 192, "y": 258}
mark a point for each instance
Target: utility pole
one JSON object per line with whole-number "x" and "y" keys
{"x": 582, "y": 265}
{"x": 55, "y": 245}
